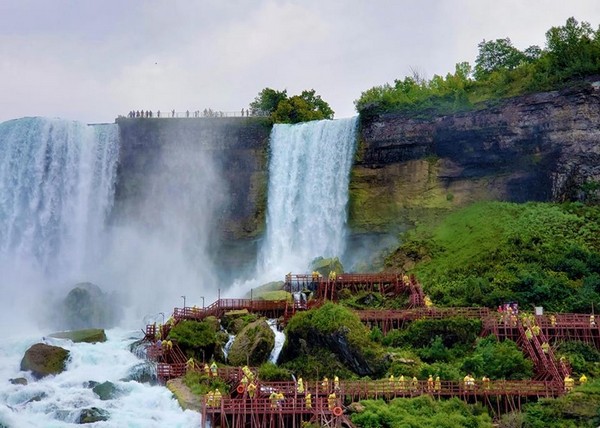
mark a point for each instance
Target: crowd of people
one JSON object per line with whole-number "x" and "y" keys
{"x": 196, "y": 113}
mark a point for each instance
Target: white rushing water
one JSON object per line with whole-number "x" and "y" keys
{"x": 57, "y": 401}
{"x": 56, "y": 187}
{"x": 309, "y": 173}
{"x": 279, "y": 341}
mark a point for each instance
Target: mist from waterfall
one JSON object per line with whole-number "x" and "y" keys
{"x": 309, "y": 173}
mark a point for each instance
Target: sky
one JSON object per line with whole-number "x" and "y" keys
{"x": 94, "y": 60}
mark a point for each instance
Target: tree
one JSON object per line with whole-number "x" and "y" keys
{"x": 574, "y": 48}
{"x": 298, "y": 108}
{"x": 302, "y": 108}
{"x": 496, "y": 55}
{"x": 267, "y": 101}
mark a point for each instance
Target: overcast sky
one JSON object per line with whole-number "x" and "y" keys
{"x": 93, "y": 60}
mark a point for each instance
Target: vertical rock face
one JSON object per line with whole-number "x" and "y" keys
{"x": 196, "y": 177}
{"x": 540, "y": 147}
{"x": 237, "y": 146}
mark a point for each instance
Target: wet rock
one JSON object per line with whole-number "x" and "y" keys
{"x": 18, "y": 381}
{"x": 253, "y": 345}
{"x": 106, "y": 390}
{"x": 43, "y": 360}
{"x": 90, "y": 335}
{"x": 93, "y": 414}
{"x": 87, "y": 306}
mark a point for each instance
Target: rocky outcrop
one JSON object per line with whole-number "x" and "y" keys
{"x": 253, "y": 345}
{"x": 297, "y": 345}
{"x": 90, "y": 335}
{"x": 540, "y": 147}
{"x": 87, "y": 306}
{"x": 43, "y": 360}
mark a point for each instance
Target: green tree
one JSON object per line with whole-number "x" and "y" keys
{"x": 573, "y": 48}
{"x": 267, "y": 101}
{"x": 302, "y": 108}
{"x": 497, "y": 55}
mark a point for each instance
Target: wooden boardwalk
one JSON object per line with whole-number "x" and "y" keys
{"x": 238, "y": 410}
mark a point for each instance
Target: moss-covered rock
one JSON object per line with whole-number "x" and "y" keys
{"x": 106, "y": 390}
{"x": 43, "y": 360}
{"x": 235, "y": 321}
{"x": 90, "y": 335}
{"x": 253, "y": 345}
{"x": 334, "y": 331}
{"x": 93, "y": 414}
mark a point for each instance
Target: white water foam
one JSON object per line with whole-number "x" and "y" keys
{"x": 56, "y": 401}
{"x": 279, "y": 340}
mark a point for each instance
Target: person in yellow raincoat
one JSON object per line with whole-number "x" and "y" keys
{"x": 308, "y": 400}
{"x": 331, "y": 400}
{"x": 251, "y": 389}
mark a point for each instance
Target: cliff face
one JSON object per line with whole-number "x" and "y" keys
{"x": 236, "y": 148}
{"x": 541, "y": 147}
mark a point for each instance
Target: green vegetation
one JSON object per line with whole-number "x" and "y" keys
{"x": 579, "y": 409}
{"x": 501, "y": 70}
{"x": 196, "y": 339}
{"x": 421, "y": 412}
{"x": 537, "y": 254}
{"x": 298, "y": 108}
{"x": 200, "y": 383}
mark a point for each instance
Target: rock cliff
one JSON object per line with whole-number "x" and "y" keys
{"x": 540, "y": 147}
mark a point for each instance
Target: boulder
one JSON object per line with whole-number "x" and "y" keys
{"x": 253, "y": 345}
{"x": 90, "y": 335}
{"x": 43, "y": 360}
{"x": 235, "y": 321}
{"x": 93, "y": 414}
{"x": 106, "y": 390}
{"x": 324, "y": 266}
{"x": 18, "y": 381}
{"x": 87, "y": 306}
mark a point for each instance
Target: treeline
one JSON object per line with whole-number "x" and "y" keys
{"x": 501, "y": 70}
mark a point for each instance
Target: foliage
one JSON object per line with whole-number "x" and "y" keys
{"x": 422, "y": 333}
{"x": 497, "y": 55}
{"x": 196, "y": 339}
{"x": 200, "y": 383}
{"x": 421, "y": 412}
{"x": 538, "y": 254}
{"x": 271, "y": 372}
{"x": 583, "y": 358}
{"x": 298, "y": 108}
{"x": 498, "y": 360}
{"x": 572, "y": 51}
{"x": 578, "y": 409}
{"x": 267, "y": 101}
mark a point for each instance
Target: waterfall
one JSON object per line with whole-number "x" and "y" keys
{"x": 279, "y": 340}
{"x": 309, "y": 174}
{"x": 57, "y": 182}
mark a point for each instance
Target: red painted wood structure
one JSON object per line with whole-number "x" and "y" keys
{"x": 388, "y": 285}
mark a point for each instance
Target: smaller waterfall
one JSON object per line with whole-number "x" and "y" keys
{"x": 279, "y": 341}
{"x": 309, "y": 173}
{"x": 227, "y": 346}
